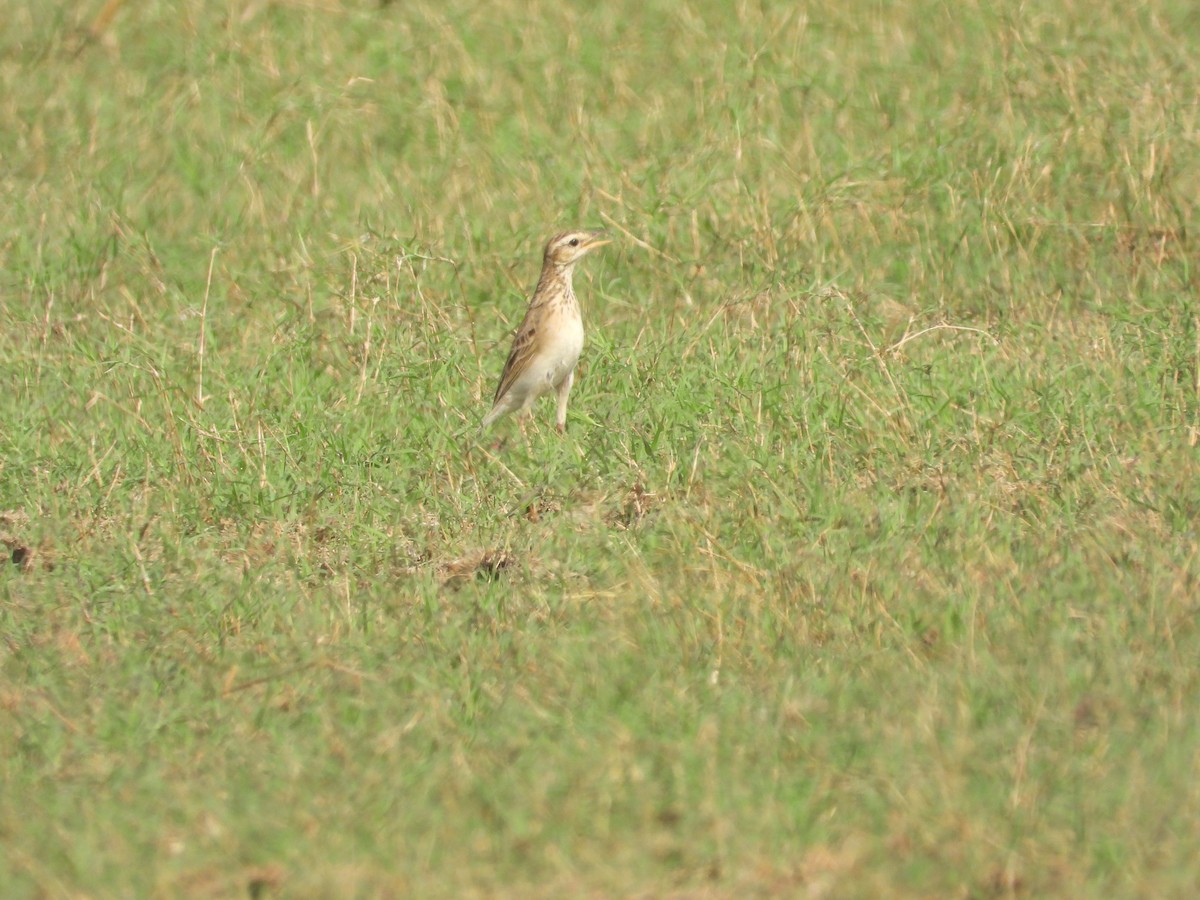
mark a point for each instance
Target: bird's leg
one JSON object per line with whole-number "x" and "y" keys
{"x": 564, "y": 389}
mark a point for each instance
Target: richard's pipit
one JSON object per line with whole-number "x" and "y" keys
{"x": 548, "y": 343}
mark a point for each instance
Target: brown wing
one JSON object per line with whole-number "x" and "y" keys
{"x": 518, "y": 358}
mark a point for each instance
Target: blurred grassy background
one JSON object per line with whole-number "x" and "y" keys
{"x": 867, "y": 567}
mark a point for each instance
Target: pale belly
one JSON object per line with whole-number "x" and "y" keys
{"x": 548, "y": 369}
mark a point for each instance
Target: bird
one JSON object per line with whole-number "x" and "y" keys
{"x": 548, "y": 343}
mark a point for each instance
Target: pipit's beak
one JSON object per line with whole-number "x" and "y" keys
{"x": 598, "y": 239}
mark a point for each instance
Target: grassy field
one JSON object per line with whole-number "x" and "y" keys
{"x": 869, "y": 563}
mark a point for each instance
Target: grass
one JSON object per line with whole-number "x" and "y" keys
{"x": 867, "y": 567}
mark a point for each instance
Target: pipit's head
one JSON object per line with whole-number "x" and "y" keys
{"x": 566, "y": 249}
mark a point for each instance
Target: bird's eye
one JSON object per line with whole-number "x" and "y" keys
{"x": 574, "y": 242}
